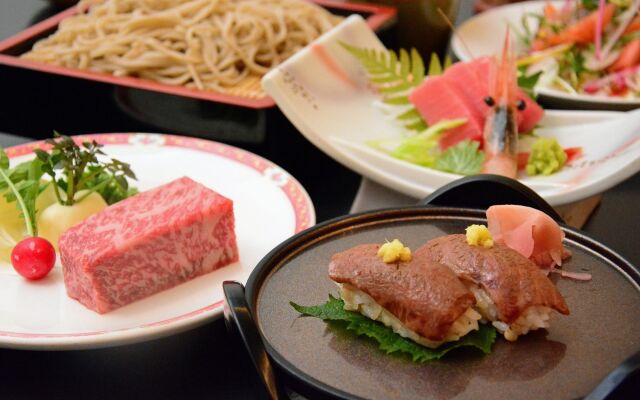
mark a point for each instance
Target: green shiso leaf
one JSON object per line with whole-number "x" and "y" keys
{"x": 464, "y": 158}
{"x": 388, "y": 340}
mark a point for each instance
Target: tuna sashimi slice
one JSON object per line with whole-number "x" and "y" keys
{"x": 437, "y": 100}
{"x": 530, "y": 232}
{"x": 531, "y": 115}
{"x": 472, "y": 80}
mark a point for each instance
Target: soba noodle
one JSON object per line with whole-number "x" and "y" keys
{"x": 218, "y": 45}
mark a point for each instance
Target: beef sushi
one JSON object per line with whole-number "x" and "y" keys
{"x": 419, "y": 299}
{"x": 510, "y": 290}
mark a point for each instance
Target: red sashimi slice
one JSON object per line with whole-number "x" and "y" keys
{"x": 460, "y": 93}
{"x": 531, "y": 115}
{"x": 530, "y": 232}
{"x": 436, "y": 100}
{"x": 472, "y": 78}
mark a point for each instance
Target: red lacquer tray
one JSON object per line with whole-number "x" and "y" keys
{"x": 11, "y": 48}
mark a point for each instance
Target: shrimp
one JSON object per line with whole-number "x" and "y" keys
{"x": 501, "y": 126}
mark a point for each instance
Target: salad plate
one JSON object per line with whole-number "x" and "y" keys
{"x": 483, "y": 35}
{"x": 269, "y": 206}
{"x": 325, "y": 92}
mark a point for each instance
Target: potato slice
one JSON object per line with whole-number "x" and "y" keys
{"x": 57, "y": 218}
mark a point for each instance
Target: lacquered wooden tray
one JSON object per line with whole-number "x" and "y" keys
{"x": 248, "y": 94}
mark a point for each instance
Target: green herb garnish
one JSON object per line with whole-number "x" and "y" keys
{"x": 395, "y": 74}
{"x": 22, "y": 185}
{"x": 388, "y": 340}
{"x": 528, "y": 82}
{"x": 589, "y": 4}
{"x": 114, "y": 190}
{"x": 464, "y": 158}
{"x": 80, "y": 169}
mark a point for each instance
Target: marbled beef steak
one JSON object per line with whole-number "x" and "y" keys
{"x": 148, "y": 243}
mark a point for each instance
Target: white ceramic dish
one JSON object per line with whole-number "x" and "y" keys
{"x": 269, "y": 206}
{"x": 323, "y": 90}
{"x": 484, "y": 35}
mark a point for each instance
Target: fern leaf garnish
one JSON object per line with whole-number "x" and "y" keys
{"x": 402, "y": 87}
{"x": 435, "y": 68}
{"x": 419, "y": 126}
{"x": 388, "y": 69}
{"x": 447, "y": 62}
{"x": 397, "y": 100}
{"x": 417, "y": 67}
{"x": 395, "y": 74}
{"x": 405, "y": 63}
{"x": 411, "y": 114}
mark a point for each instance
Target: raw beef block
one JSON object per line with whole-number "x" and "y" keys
{"x": 148, "y": 243}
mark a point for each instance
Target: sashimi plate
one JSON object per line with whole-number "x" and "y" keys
{"x": 324, "y": 91}
{"x": 269, "y": 206}
{"x": 483, "y": 35}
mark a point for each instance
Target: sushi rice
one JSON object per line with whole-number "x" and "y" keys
{"x": 357, "y": 300}
{"x": 534, "y": 317}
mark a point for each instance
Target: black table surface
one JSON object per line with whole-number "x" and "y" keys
{"x": 200, "y": 363}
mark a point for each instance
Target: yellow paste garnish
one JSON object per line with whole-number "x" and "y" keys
{"x": 394, "y": 251}
{"x": 479, "y": 235}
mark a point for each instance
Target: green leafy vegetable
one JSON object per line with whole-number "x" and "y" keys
{"x": 389, "y": 341}
{"x": 81, "y": 169}
{"x": 572, "y": 66}
{"x": 22, "y": 185}
{"x": 464, "y": 158}
{"x": 421, "y": 149}
{"x": 590, "y": 4}
{"x": 4, "y": 159}
{"x": 113, "y": 191}
{"x": 528, "y": 82}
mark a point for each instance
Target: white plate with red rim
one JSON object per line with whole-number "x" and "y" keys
{"x": 269, "y": 206}
{"x": 483, "y": 35}
{"x": 325, "y": 93}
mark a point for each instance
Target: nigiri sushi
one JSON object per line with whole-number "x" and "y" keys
{"x": 510, "y": 290}
{"x": 419, "y": 299}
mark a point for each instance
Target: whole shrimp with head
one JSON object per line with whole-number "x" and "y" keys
{"x": 501, "y": 126}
